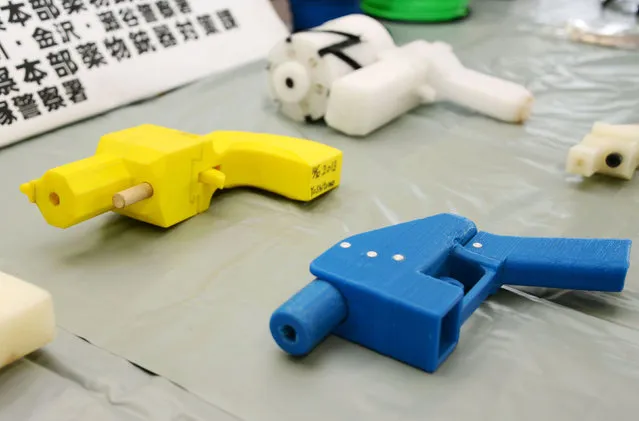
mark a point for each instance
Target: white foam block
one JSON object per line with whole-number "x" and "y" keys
{"x": 27, "y": 320}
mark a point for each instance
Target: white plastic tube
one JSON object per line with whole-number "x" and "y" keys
{"x": 303, "y": 67}
{"x": 414, "y": 74}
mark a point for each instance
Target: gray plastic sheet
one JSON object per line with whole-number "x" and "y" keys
{"x": 71, "y": 380}
{"x": 192, "y": 303}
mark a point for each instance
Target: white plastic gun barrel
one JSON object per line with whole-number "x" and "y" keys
{"x": 419, "y": 73}
{"x": 303, "y": 67}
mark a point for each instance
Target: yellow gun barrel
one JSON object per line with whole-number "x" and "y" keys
{"x": 80, "y": 190}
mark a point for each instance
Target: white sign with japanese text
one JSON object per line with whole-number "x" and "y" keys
{"x": 64, "y": 60}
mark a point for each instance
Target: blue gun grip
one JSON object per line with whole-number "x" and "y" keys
{"x": 567, "y": 263}
{"x": 308, "y": 317}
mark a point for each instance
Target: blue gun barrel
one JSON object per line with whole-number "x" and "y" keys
{"x": 308, "y": 317}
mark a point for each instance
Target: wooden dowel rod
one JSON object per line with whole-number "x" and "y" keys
{"x": 132, "y": 195}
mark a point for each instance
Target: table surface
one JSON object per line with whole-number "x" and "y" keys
{"x": 177, "y": 320}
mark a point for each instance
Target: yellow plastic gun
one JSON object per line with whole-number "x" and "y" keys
{"x": 163, "y": 176}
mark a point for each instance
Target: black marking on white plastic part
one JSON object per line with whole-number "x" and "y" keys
{"x": 606, "y": 3}
{"x": 337, "y": 48}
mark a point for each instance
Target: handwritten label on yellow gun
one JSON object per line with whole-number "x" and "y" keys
{"x": 163, "y": 176}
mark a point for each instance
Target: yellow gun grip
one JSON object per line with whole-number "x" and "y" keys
{"x": 297, "y": 169}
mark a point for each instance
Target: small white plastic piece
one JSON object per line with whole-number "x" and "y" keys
{"x": 609, "y": 149}
{"x": 417, "y": 73}
{"x": 27, "y": 320}
{"x": 300, "y": 79}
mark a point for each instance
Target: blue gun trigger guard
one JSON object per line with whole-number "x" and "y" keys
{"x": 479, "y": 275}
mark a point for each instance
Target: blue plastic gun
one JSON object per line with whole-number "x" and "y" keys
{"x": 404, "y": 291}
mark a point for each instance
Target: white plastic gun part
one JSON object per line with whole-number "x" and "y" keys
{"x": 303, "y": 67}
{"x": 27, "y": 321}
{"x": 417, "y": 73}
{"x": 609, "y": 149}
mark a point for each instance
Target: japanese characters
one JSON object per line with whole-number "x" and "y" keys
{"x": 34, "y": 85}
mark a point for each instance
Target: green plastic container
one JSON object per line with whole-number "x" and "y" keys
{"x": 416, "y": 10}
